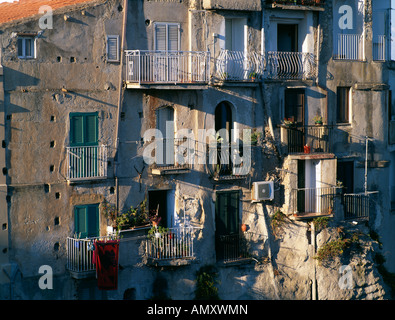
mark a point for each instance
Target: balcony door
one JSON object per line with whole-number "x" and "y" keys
{"x": 167, "y": 47}
{"x": 165, "y": 147}
{"x": 294, "y": 109}
{"x": 309, "y": 196}
{"x": 226, "y": 221}
{"x": 287, "y": 37}
{"x": 235, "y": 49}
{"x": 162, "y": 202}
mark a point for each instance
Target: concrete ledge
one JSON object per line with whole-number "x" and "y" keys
{"x": 249, "y": 5}
{"x": 170, "y": 263}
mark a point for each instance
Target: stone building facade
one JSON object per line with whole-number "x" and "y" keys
{"x": 121, "y": 103}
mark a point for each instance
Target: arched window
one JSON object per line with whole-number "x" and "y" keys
{"x": 223, "y": 118}
{"x": 223, "y": 128}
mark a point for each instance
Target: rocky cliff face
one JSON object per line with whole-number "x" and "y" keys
{"x": 346, "y": 271}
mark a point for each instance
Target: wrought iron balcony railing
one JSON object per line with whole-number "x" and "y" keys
{"x": 313, "y": 200}
{"x": 318, "y": 138}
{"x": 291, "y": 65}
{"x": 85, "y": 163}
{"x": 174, "y": 243}
{"x": 238, "y": 247}
{"x": 356, "y": 205}
{"x": 239, "y": 66}
{"x": 228, "y": 161}
{"x": 318, "y": 3}
{"x": 149, "y": 67}
{"x": 173, "y": 154}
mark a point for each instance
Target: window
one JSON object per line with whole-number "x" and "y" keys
{"x": 86, "y": 220}
{"x": 223, "y": 128}
{"x": 343, "y": 105}
{"x": 26, "y": 47}
{"x": 294, "y": 105}
{"x": 83, "y": 129}
{"x": 167, "y": 36}
{"x": 113, "y": 48}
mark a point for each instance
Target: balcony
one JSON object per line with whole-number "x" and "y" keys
{"x": 317, "y": 5}
{"x": 307, "y": 139}
{"x": 356, "y": 206}
{"x": 172, "y": 247}
{"x": 291, "y": 65}
{"x": 228, "y": 162}
{"x": 80, "y": 262}
{"x": 312, "y": 202}
{"x": 86, "y": 163}
{"x": 380, "y": 48}
{"x": 179, "y": 161}
{"x": 239, "y": 248}
{"x": 239, "y": 66}
{"x": 148, "y": 68}
{"x": 348, "y": 47}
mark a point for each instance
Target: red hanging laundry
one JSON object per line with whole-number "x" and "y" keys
{"x": 106, "y": 254}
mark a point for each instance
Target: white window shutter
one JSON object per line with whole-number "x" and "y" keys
{"x": 173, "y": 37}
{"x": 160, "y": 37}
{"x": 167, "y": 36}
{"x": 113, "y": 48}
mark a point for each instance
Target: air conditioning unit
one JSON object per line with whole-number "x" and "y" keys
{"x": 262, "y": 190}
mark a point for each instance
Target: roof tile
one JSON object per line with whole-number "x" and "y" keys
{"x": 11, "y": 11}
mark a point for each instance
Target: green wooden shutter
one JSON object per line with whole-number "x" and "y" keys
{"x": 93, "y": 220}
{"x": 81, "y": 223}
{"x": 83, "y": 129}
{"x": 76, "y": 130}
{"x": 90, "y": 130}
{"x": 87, "y": 220}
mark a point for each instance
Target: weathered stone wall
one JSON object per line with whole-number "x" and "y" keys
{"x": 283, "y": 267}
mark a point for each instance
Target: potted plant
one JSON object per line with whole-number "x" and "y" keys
{"x": 289, "y": 122}
{"x": 110, "y": 211}
{"x": 317, "y": 120}
{"x": 252, "y": 76}
{"x": 225, "y": 76}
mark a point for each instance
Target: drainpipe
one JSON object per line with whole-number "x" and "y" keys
{"x": 314, "y": 281}
{"x": 120, "y": 99}
{"x": 366, "y": 165}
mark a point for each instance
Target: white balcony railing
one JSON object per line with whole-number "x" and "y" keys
{"x": 291, "y": 65}
{"x": 86, "y": 162}
{"x": 175, "y": 243}
{"x": 379, "y": 48}
{"x": 145, "y": 67}
{"x": 239, "y": 65}
{"x": 80, "y": 255}
{"x": 348, "y": 47}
